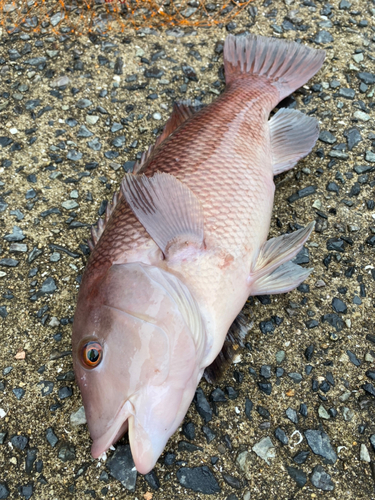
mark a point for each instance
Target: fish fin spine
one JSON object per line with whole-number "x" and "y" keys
{"x": 273, "y": 267}
{"x": 182, "y": 111}
{"x": 98, "y": 229}
{"x": 235, "y": 337}
{"x": 287, "y": 65}
{"x": 293, "y": 135}
{"x": 167, "y": 209}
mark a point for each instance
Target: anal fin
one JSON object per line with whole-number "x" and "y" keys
{"x": 273, "y": 271}
{"x": 293, "y": 135}
{"x": 168, "y": 210}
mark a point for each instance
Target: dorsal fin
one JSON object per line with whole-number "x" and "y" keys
{"x": 182, "y": 111}
{"x": 98, "y": 228}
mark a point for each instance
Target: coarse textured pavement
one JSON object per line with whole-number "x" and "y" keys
{"x": 294, "y": 417}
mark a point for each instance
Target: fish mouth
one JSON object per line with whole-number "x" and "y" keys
{"x": 115, "y": 432}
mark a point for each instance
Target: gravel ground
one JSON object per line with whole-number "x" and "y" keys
{"x": 293, "y": 418}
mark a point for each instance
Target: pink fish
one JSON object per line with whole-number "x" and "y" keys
{"x": 183, "y": 245}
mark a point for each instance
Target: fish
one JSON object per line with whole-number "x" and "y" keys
{"x": 184, "y": 244}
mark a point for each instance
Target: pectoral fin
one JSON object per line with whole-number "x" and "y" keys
{"x": 273, "y": 271}
{"x": 293, "y": 135}
{"x": 168, "y": 210}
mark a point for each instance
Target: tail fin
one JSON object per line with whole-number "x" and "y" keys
{"x": 287, "y": 65}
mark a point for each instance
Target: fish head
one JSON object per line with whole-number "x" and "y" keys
{"x": 138, "y": 341}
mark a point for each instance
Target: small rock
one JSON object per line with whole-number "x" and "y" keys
{"x": 298, "y": 475}
{"x": 202, "y": 405}
{"x": 265, "y": 449}
{"x": 362, "y": 116}
{"x": 292, "y": 415}
{"x": 320, "y": 444}
{"x": 51, "y": 437}
{"x": 199, "y": 479}
{"x": 321, "y": 480}
{"x": 322, "y": 412}
{"x": 121, "y": 467}
{"x": 66, "y": 452}
{"x": 78, "y": 417}
{"x": 281, "y": 436}
{"x": 323, "y": 37}
{"x": 339, "y": 306}
{"x": 364, "y": 454}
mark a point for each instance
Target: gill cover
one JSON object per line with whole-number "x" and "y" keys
{"x": 151, "y": 334}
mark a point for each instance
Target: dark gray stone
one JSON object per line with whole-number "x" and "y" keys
{"x": 298, "y": 475}
{"x": 199, "y": 479}
{"x": 327, "y": 137}
{"x": 301, "y": 457}
{"x": 323, "y": 37}
{"x": 353, "y": 358}
{"x": 121, "y": 467}
{"x": 367, "y": 78}
{"x": 202, "y": 405}
{"x": 16, "y": 235}
{"x": 4, "y": 491}
{"x": 153, "y": 480}
{"x": 83, "y": 103}
{"x": 339, "y": 306}
{"x": 232, "y": 481}
{"x": 321, "y": 480}
{"x": 281, "y": 436}
{"x": 320, "y": 444}
{"x": 302, "y": 193}
{"x": 292, "y": 415}
{"x": 19, "y": 442}
{"x": 84, "y": 132}
{"x": 353, "y": 137}
{"x": 51, "y": 437}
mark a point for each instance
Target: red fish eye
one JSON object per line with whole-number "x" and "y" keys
{"x": 92, "y": 354}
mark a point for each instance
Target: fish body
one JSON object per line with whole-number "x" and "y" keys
{"x": 184, "y": 245}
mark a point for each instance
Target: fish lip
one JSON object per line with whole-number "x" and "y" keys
{"x": 118, "y": 428}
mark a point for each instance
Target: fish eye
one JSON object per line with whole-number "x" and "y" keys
{"x": 92, "y": 354}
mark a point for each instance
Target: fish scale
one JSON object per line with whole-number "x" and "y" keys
{"x": 222, "y": 176}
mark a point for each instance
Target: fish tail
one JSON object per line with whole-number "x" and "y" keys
{"x": 285, "y": 65}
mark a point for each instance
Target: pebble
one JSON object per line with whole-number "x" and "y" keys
{"x": 321, "y": 479}
{"x": 292, "y": 415}
{"x": 280, "y": 356}
{"x": 301, "y": 457}
{"x": 51, "y": 437}
{"x": 339, "y": 306}
{"x": 19, "y": 442}
{"x": 92, "y": 119}
{"x": 121, "y": 467}
{"x": 69, "y": 204}
{"x": 320, "y": 444}
{"x": 232, "y": 481}
{"x": 202, "y": 405}
{"x": 281, "y": 436}
{"x": 322, "y": 412}
{"x": 298, "y": 475}
{"x": 323, "y": 37}
{"x": 265, "y": 449}
{"x": 4, "y": 490}
{"x": 361, "y": 116}
{"x": 199, "y": 479}
{"x": 66, "y": 452}
{"x": 78, "y": 417}
{"x": 364, "y": 454}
